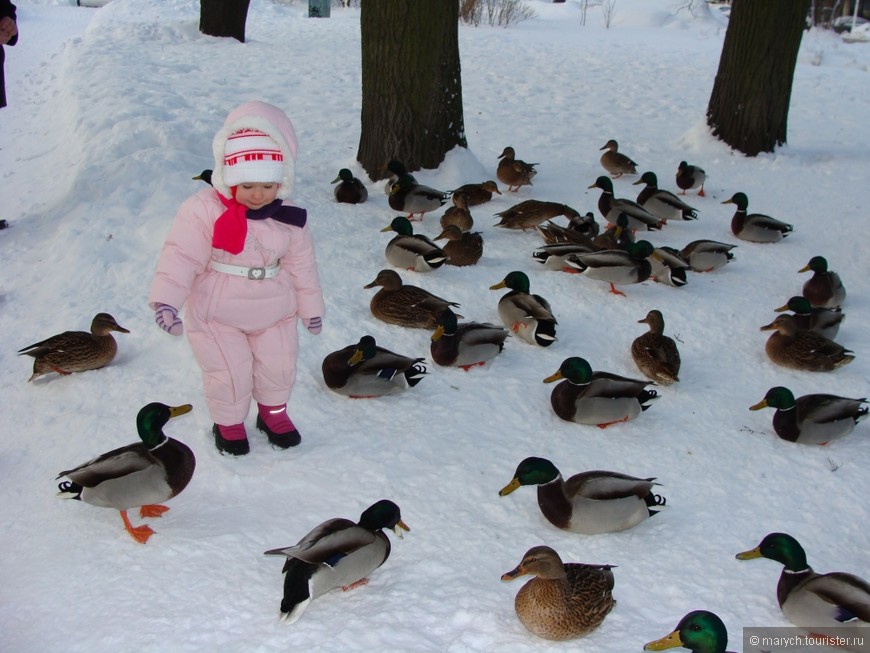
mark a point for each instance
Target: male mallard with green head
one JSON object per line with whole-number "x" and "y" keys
{"x": 589, "y": 502}
{"x": 824, "y": 321}
{"x": 690, "y": 177}
{"x": 699, "y": 631}
{"x": 755, "y": 227}
{"x": 707, "y": 255}
{"x": 813, "y": 418}
{"x": 562, "y": 600}
{"x": 465, "y": 345}
{"x": 407, "y": 196}
{"x": 337, "y": 553}
{"x": 365, "y": 370}
{"x": 349, "y": 190}
{"x": 411, "y": 251}
{"x": 143, "y": 474}
{"x": 76, "y": 351}
{"x": 662, "y": 203}
{"x": 598, "y": 398}
{"x": 825, "y": 288}
{"x": 809, "y": 599}
{"x": 527, "y": 315}
{"x": 612, "y": 207}
{"x": 618, "y": 267}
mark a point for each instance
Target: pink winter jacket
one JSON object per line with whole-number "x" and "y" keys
{"x": 183, "y": 274}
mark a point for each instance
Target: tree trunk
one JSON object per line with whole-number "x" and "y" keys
{"x": 223, "y": 18}
{"x": 748, "y": 108}
{"x": 411, "y": 84}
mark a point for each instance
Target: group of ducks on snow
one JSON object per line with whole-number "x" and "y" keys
{"x": 563, "y": 600}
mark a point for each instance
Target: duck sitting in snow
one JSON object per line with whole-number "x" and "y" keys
{"x": 662, "y": 203}
{"x": 755, "y": 227}
{"x": 514, "y": 172}
{"x": 337, "y": 553}
{"x": 590, "y": 502}
{"x": 412, "y": 251}
{"x": 809, "y": 599}
{"x": 700, "y": 631}
{"x": 407, "y": 196}
{"x": 349, "y": 190}
{"x": 531, "y": 213}
{"x": 800, "y": 349}
{"x": 612, "y": 207}
{"x": 76, "y": 351}
{"x": 824, "y": 321}
{"x": 655, "y": 354}
{"x": 476, "y": 194}
{"x": 365, "y": 370}
{"x": 580, "y": 230}
{"x": 825, "y": 288}
{"x": 405, "y": 305}
{"x": 143, "y": 474}
{"x": 598, "y": 398}
{"x": 562, "y": 600}
{"x": 458, "y": 215}
{"x": 525, "y": 314}
{"x": 813, "y": 418}
{"x": 615, "y": 162}
{"x": 465, "y": 345}
{"x": 463, "y": 248}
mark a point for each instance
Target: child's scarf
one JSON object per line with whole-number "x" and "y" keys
{"x": 231, "y": 228}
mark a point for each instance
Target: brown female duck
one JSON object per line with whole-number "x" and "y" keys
{"x": 76, "y": 351}
{"x": 800, "y": 349}
{"x": 409, "y": 306}
{"x": 462, "y": 249}
{"x": 655, "y": 354}
{"x": 476, "y": 194}
{"x": 530, "y": 213}
{"x": 615, "y": 162}
{"x": 513, "y": 171}
{"x": 562, "y": 601}
{"x": 458, "y": 214}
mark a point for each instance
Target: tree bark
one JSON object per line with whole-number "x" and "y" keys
{"x": 411, "y": 84}
{"x": 223, "y": 18}
{"x": 749, "y": 104}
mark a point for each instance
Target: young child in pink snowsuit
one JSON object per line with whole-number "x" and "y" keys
{"x": 241, "y": 261}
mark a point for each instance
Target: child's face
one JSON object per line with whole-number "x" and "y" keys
{"x": 256, "y": 195}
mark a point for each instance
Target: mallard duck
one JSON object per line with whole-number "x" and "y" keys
{"x": 513, "y": 172}
{"x": 616, "y": 266}
{"x": 204, "y": 176}
{"x": 579, "y": 231}
{"x": 668, "y": 267}
{"x": 824, "y": 289}
{"x": 412, "y": 251}
{"x": 812, "y": 419}
{"x": 407, "y": 196}
{"x": 690, "y": 177}
{"x": 809, "y": 599}
{"x": 824, "y": 321}
{"x": 405, "y": 305}
{"x": 590, "y": 502}
{"x": 563, "y": 600}
{"x": 800, "y": 349}
{"x": 477, "y": 194}
{"x": 598, "y": 398}
{"x": 75, "y": 351}
{"x": 365, "y": 370}
{"x": 350, "y": 190}
{"x": 560, "y": 257}
{"x": 655, "y": 354}
{"x": 465, "y": 345}
{"x": 699, "y": 631}
{"x": 530, "y": 213}
{"x": 616, "y": 236}
{"x": 337, "y": 553}
{"x": 755, "y": 227}
{"x": 395, "y": 169}
{"x": 662, "y": 203}
{"x": 611, "y": 208}
{"x": 143, "y": 474}
{"x": 462, "y": 249}
{"x": 707, "y": 255}
{"x": 616, "y": 163}
{"x": 527, "y": 315}
{"x": 458, "y": 214}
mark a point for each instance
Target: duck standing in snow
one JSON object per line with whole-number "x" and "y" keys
{"x": 690, "y": 177}
{"x": 531, "y": 213}
{"x": 526, "y": 314}
{"x": 337, "y": 553}
{"x": 612, "y": 207}
{"x": 514, "y": 172}
{"x": 143, "y": 474}
{"x": 615, "y": 162}
{"x": 662, "y": 203}
{"x": 407, "y": 196}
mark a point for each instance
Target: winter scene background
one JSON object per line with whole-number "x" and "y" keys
{"x": 112, "y": 112}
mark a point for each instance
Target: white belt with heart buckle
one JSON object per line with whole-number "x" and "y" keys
{"x": 257, "y": 274}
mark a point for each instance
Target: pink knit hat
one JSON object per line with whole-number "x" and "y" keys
{"x": 252, "y": 156}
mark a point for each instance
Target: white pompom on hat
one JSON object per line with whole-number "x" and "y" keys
{"x": 251, "y": 156}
